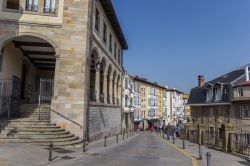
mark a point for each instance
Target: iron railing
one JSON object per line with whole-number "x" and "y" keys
{"x": 192, "y": 135}
{"x": 31, "y": 7}
{"x": 46, "y": 90}
{"x": 240, "y": 143}
{"x": 101, "y": 97}
{"x": 10, "y": 97}
{"x": 92, "y": 95}
{"x": 213, "y": 139}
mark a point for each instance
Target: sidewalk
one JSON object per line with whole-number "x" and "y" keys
{"x": 218, "y": 158}
{"x": 12, "y": 154}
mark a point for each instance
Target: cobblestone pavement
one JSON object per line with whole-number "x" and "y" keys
{"x": 218, "y": 158}
{"x": 143, "y": 149}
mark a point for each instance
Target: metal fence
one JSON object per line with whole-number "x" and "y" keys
{"x": 46, "y": 90}
{"x": 10, "y": 97}
{"x": 240, "y": 143}
{"x": 192, "y": 135}
{"x": 213, "y": 139}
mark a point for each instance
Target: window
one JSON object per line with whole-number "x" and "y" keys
{"x": 12, "y": 4}
{"x": 97, "y": 19}
{"x": 119, "y": 56}
{"x": 217, "y": 93}
{"x": 115, "y": 51}
{"x": 105, "y": 33}
{"x": 240, "y": 92}
{"x": 49, "y": 6}
{"x": 110, "y": 43}
{"x": 209, "y": 95}
{"x": 32, "y": 5}
{"x": 243, "y": 111}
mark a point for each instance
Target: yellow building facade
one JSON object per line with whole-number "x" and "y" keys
{"x": 151, "y": 103}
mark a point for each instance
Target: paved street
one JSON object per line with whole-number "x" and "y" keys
{"x": 143, "y": 149}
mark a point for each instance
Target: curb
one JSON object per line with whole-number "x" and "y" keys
{"x": 193, "y": 159}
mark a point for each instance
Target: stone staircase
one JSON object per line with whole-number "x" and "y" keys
{"x": 28, "y": 129}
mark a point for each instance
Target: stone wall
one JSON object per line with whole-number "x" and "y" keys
{"x": 104, "y": 121}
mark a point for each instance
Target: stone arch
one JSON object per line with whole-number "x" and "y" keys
{"x": 114, "y": 86}
{"x": 6, "y": 39}
{"x": 30, "y": 57}
{"x": 94, "y": 60}
{"x": 103, "y": 66}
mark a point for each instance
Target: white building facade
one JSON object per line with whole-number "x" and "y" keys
{"x": 127, "y": 103}
{"x": 174, "y": 112}
{"x": 153, "y": 104}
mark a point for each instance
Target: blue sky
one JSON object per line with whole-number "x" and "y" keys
{"x": 173, "y": 41}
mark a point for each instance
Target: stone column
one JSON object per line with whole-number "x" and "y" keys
{"x": 97, "y": 85}
{"x": 115, "y": 91}
{"x": 119, "y": 92}
{"x": 111, "y": 90}
{"x": 105, "y": 84}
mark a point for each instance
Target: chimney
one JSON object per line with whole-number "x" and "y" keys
{"x": 201, "y": 80}
{"x": 247, "y": 73}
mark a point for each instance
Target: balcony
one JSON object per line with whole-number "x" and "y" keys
{"x": 49, "y": 10}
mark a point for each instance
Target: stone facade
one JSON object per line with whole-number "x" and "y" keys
{"x": 220, "y": 106}
{"x": 69, "y": 32}
{"x": 104, "y": 121}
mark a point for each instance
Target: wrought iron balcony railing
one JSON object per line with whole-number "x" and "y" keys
{"x": 31, "y": 7}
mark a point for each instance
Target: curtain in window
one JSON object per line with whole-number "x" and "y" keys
{"x": 32, "y": 4}
{"x": 50, "y": 5}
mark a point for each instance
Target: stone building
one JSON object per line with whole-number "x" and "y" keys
{"x": 77, "y": 46}
{"x": 220, "y": 106}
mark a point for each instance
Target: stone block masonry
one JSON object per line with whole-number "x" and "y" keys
{"x": 104, "y": 121}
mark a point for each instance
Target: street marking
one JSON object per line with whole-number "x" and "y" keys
{"x": 193, "y": 159}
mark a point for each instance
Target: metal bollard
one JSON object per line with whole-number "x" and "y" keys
{"x": 200, "y": 152}
{"x": 163, "y": 134}
{"x": 123, "y": 135}
{"x": 50, "y": 151}
{"x": 84, "y": 145}
{"x": 208, "y": 158}
{"x": 127, "y": 134}
{"x": 173, "y": 139}
{"x": 117, "y": 138}
{"x": 183, "y": 143}
{"x": 105, "y": 141}
{"x": 160, "y": 133}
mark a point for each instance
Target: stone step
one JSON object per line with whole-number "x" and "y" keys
{"x": 17, "y": 140}
{"x": 28, "y": 136}
{"x": 40, "y": 130}
{"x": 37, "y": 133}
{"x": 31, "y": 124}
{"x": 39, "y": 126}
{"x": 29, "y": 120}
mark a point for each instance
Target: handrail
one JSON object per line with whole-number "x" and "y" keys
{"x": 61, "y": 115}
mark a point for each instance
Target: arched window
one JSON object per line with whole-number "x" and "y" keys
{"x": 108, "y": 85}
{"x": 94, "y": 57}
{"x": 102, "y": 70}
{"x": 113, "y": 87}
